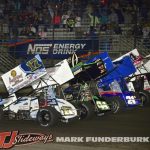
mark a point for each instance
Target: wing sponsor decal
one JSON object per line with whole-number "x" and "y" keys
{"x": 24, "y": 74}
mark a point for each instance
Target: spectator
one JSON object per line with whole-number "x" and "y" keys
{"x": 1, "y": 12}
{"x": 17, "y": 5}
{"x": 14, "y": 25}
{"x": 44, "y": 4}
{"x": 78, "y": 20}
{"x": 51, "y": 11}
{"x": 42, "y": 33}
{"x": 120, "y": 16}
{"x": 40, "y": 18}
{"x": 35, "y": 18}
{"x": 94, "y": 20}
{"x": 71, "y": 23}
{"x": 104, "y": 18}
{"x": 23, "y": 5}
{"x": 146, "y": 31}
{"x": 104, "y": 3}
{"x": 26, "y": 31}
{"x": 89, "y": 9}
{"x": 146, "y": 35}
{"x": 144, "y": 11}
{"x": 42, "y": 12}
{"x": 56, "y": 20}
{"x": 23, "y": 32}
{"x": 115, "y": 4}
{"x": 92, "y": 34}
{"x": 46, "y": 17}
{"x": 6, "y": 29}
{"x": 64, "y": 18}
{"x": 33, "y": 29}
{"x": 113, "y": 18}
{"x": 127, "y": 17}
{"x": 110, "y": 29}
{"x": 29, "y": 32}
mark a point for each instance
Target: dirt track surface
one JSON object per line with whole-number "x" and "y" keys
{"x": 131, "y": 123}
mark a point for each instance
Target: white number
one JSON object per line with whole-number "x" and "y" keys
{"x": 102, "y": 105}
{"x": 131, "y": 99}
{"x": 67, "y": 110}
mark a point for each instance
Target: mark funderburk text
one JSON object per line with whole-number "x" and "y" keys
{"x": 102, "y": 139}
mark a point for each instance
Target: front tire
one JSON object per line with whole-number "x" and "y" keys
{"x": 87, "y": 110}
{"x": 47, "y": 117}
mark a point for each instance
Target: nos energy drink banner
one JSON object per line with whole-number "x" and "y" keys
{"x": 58, "y": 49}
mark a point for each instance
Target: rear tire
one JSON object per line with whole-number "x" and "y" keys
{"x": 145, "y": 98}
{"x": 48, "y": 117}
{"x": 115, "y": 103}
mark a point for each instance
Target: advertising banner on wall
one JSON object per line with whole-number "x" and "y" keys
{"x": 24, "y": 74}
{"x": 58, "y": 49}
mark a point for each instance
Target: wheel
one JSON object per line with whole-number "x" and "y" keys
{"x": 48, "y": 117}
{"x": 145, "y": 98}
{"x": 87, "y": 110}
{"x": 115, "y": 103}
{"x": 1, "y": 113}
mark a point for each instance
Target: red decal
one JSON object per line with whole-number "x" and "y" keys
{"x": 10, "y": 139}
{"x": 7, "y": 139}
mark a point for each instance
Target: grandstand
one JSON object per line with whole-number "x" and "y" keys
{"x": 118, "y": 25}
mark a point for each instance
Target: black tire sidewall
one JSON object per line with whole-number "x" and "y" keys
{"x": 146, "y": 96}
{"x": 115, "y": 103}
{"x": 53, "y": 116}
{"x": 89, "y": 108}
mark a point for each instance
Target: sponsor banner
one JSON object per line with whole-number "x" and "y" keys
{"x": 58, "y": 49}
{"x": 24, "y": 74}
